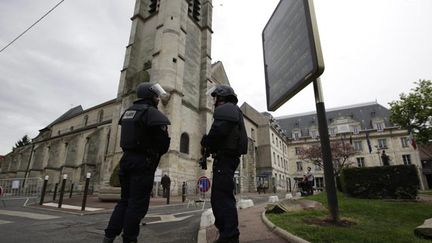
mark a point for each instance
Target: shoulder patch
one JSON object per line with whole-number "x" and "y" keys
{"x": 129, "y": 114}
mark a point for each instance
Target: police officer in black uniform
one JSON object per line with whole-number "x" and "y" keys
{"x": 226, "y": 141}
{"x": 144, "y": 139}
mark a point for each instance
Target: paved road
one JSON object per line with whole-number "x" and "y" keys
{"x": 25, "y": 224}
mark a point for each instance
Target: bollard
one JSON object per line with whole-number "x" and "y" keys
{"x": 55, "y": 191}
{"x": 71, "y": 190}
{"x": 44, "y": 190}
{"x": 183, "y": 192}
{"x": 86, "y": 187}
{"x": 168, "y": 194}
{"x": 62, "y": 191}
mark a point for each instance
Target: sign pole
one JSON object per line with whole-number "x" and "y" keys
{"x": 330, "y": 186}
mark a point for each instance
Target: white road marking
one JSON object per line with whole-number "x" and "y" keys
{"x": 28, "y": 215}
{"x": 4, "y": 222}
{"x": 71, "y": 207}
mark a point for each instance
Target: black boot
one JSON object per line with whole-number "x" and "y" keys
{"x": 108, "y": 240}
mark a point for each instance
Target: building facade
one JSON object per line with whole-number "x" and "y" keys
{"x": 366, "y": 127}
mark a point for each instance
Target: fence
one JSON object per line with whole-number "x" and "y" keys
{"x": 20, "y": 188}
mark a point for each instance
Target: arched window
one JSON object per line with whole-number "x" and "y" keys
{"x": 85, "y": 120}
{"x": 184, "y": 143}
{"x": 100, "y": 116}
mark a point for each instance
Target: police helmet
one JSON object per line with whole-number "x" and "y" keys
{"x": 149, "y": 90}
{"x": 224, "y": 91}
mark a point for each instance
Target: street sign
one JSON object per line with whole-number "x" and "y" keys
{"x": 292, "y": 51}
{"x": 158, "y": 175}
{"x": 203, "y": 184}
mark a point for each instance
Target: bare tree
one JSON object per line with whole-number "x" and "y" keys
{"x": 341, "y": 152}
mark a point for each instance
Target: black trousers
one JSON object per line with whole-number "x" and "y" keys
{"x": 222, "y": 199}
{"x": 136, "y": 180}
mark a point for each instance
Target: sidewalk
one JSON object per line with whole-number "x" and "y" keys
{"x": 251, "y": 226}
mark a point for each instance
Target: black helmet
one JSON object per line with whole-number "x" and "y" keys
{"x": 225, "y": 91}
{"x": 149, "y": 90}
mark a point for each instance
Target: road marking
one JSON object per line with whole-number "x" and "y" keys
{"x": 28, "y": 215}
{"x": 166, "y": 218}
{"x": 4, "y": 222}
{"x": 65, "y": 206}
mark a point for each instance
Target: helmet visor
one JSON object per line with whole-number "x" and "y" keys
{"x": 158, "y": 90}
{"x": 211, "y": 90}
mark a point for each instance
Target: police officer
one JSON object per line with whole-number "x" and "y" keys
{"x": 226, "y": 141}
{"x": 144, "y": 139}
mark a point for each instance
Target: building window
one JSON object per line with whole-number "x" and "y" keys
{"x": 272, "y": 138}
{"x": 406, "y": 159}
{"x": 85, "y": 120}
{"x": 356, "y": 130}
{"x": 296, "y": 135}
{"x": 278, "y": 160}
{"x": 360, "y": 162}
{"x": 274, "y": 158}
{"x": 317, "y": 167}
{"x": 297, "y": 150}
{"x": 184, "y": 143}
{"x": 299, "y": 166}
{"x": 277, "y": 142}
{"x": 382, "y": 143}
{"x": 358, "y": 146}
{"x": 153, "y": 6}
{"x": 333, "y": 131}
{"x": 71, "y": 128}
{"x": 253, "y": 133}
{"x": 313, "y": 133}
{"x": 100, "y": 116}
{"x": 404, "y": 142}
{"x": 194, "y": 9}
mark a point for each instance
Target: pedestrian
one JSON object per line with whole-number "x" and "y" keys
{"x": 310, "y": 181}
{"x": 226, "y": 141}
{"x": 385, "y": 158}
{"x": 144, "y": 139}
{"x": 166, "y": 183}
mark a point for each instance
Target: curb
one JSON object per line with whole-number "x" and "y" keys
{"x": 282, "y": 233}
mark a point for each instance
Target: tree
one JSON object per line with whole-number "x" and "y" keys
{"x": 340, "y": 150}
{"x": 22, "y": 142}
{"x": 414, "y": 111}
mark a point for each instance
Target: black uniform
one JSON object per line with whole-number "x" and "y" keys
{"x": 144, "y": 139}
{"x": 227, "y": 140}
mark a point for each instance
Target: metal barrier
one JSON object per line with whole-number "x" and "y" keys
{"x": 20, "y": 188}
{"x": 194, "y": 195}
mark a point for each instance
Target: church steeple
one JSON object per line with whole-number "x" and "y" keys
{"x": 170, "y": 43}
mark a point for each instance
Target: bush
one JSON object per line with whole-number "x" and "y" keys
{"x": 396, "y": 182}
{"x": 114, "y": 179}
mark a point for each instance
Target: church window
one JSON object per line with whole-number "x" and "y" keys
{"x": 154, "y": 6}
{"x": 85, "y": 120}
{"x": 100, "y": 116}
{"x": 184, "y": 143}
{"x": 194, "y": 9}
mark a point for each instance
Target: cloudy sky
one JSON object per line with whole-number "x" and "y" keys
{"x": 373, "y": 51}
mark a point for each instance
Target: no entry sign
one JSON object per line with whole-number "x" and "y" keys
{"x": 203, "y": 184}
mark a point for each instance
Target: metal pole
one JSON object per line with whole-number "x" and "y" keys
{"x": 86, "y": 187}
{"x": 168, "y": 194}
{"x": 44, "y": 190}
{"x": 62, "y": 190}
{"x": 326, "y": 152}
{"x": 183, "y": 192}
{"x": 71, "y": 190}
{"x": 55, "y": 191}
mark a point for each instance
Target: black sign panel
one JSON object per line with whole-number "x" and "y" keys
{"x": 292, "y": 53}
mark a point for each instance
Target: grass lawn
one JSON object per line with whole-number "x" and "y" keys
{"x": 375, "y": 221}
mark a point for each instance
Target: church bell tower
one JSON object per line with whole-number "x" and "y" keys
{"x": 170, "y": 43}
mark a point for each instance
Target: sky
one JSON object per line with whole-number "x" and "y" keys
{"x": 373, "y": 50}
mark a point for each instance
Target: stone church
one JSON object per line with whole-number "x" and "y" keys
{"x": 170, "y": 43}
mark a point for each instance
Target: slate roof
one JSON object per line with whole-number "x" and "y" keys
{"x": 363, "y": 113}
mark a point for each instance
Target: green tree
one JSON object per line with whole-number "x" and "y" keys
{"x": 22, "y": 142}
{"x": 414, "y": 111}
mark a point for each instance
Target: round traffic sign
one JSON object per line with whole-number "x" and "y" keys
{"x": 203, "y": 184}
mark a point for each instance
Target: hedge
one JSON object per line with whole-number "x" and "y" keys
{"x": 390, "y": 182}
